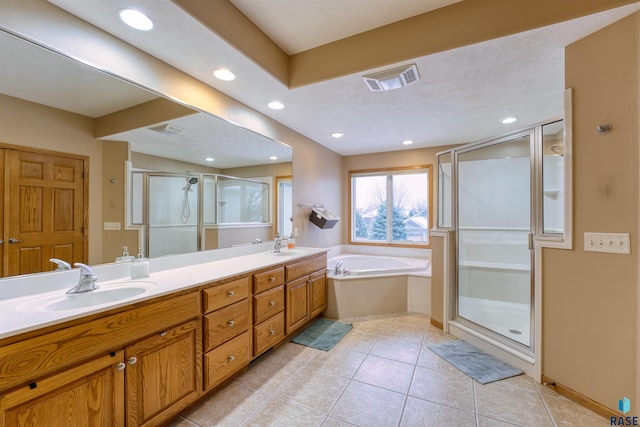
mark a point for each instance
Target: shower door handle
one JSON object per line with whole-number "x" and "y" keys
{"x": 531, "y": 242}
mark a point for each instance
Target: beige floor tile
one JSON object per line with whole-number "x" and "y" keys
{"x": 296, "y": 352}
{"x": 418, "y": 412}
{"x": 313, "y": 388}
{"x": 268, "y": 373}
{"x": 366, "y": 405}
{"x": 436, "y": 336}
{"x": 513, "y": 400}
{"x": 385, "y": 373}
{"x": 396, "y": 349}
{"x": 357, "y": 340}
{"x": 181, "y": 422}
{"x": 443, "y": 388}
{"x": 415, "y": 319}
{"x": 333, "y": 422}
{"x": 282, "y": 413}
{"x": 406, "y": 332}
{"x": 428, "y": 359}
{"x": 231, "y": 406}
{"x": 490, "y": 422}
{"x": 568, "y": 414}
{"x": 376, "y": 326}
{"x": 339, "y": 361}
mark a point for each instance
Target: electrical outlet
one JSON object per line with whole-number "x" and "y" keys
{"x": 615, "y": 243}
{"x": 112, "y": 226}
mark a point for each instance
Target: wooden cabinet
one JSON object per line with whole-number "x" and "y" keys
{"x": 91, "y": 394}
{"x": 268, "y": 306}
{"x": 306, "y": 291}
{"x": 226, "y": 330}
{"x": 163, "y": 374}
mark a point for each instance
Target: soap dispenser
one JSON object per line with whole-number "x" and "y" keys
{"x": 125, "y": 256}
{"x": 140, "y": 267}
{"x": 291, "y": 243}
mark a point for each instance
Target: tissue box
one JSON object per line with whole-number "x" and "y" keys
{"x": 323, "y": 218}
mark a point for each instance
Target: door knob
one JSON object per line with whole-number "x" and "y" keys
{"x": 14, "y": 240}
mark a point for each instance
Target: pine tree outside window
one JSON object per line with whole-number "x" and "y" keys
{"x": 391, "y": 206}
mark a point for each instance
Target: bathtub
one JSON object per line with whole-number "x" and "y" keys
{"x": 377, "y": 284}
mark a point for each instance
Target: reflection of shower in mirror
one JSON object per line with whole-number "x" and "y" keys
{"x": 186, "y": 209}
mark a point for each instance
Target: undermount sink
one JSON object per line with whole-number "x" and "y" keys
{"x": 288, "y": 252}
{"x": 107, "y": 293}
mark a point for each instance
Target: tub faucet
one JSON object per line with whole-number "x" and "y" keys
{"x": 62, "y": 265}
{"x": 87, "y": 281}
{"x": 336, "y": 269}
{"x": 278, "y": 245}
{"x": 257, "y": 240}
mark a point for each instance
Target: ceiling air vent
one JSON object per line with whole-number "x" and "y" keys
{"x": 167, "y": 129}
{"x": 394, "y": 78}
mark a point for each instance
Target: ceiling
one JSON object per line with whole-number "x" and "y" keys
{"x": 461, "y": 97}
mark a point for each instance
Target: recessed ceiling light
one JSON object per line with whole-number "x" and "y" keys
{"x": 337, "y": 134}
{"x": 276, "y": 105}
{"x": 508, "y": 120}
{"x": 135, "y": 19}
{"x": 407, "y": 142}
{"x": 224, "y": 74}
{"x": 209, "y": 159}
{"x": 273, "y": 157}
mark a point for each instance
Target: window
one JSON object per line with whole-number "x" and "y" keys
{"x": 391, "y": 206}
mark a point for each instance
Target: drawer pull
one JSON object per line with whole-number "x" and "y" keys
{"x": 132, "y": 360}
{"x": 120, "y": 366}
{"x": 272, "y": 303}
{"x": 231, "y": 323}
{"x": 272, "y": 331}
{"x": 271, "y": 279}
{"x": 232, "y": 358}
{"x": 230, "y": 293}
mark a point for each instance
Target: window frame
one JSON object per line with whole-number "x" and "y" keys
{"x": 406, "y": 170}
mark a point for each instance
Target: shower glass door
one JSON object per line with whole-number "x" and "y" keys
{"x": 172, "y": 215}
{"x": 494, "y": 260}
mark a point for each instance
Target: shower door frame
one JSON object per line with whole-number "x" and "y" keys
{"x": 532, "y": 133}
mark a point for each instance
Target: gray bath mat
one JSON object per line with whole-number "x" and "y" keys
{"x": 323, "y": 334}
{"x": 474, "y": 362}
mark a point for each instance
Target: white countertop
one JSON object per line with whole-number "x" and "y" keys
{"x": 21, "y": 298}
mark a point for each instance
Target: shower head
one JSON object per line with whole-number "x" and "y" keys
{"x": 192, "y": 180}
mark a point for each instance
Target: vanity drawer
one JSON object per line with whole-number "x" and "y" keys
{"x": 268, "y": 279}
{"x": 307, "y": 266}
{"x": 227, "y": 359}
{"x": 226, "y": 323}
{"x": 268, "y": 333}
{"x": 267, "y": 304}
{"x": 224, "y": 294}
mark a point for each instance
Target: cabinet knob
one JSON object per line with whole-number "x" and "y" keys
{"x": 132, "y": 360}
{"x": 272, "y": 331}
{"x": 120, "y": 366}
{"x": 272, "y": 303}
{"x": 231, "y": 323}
{"x": 232, "y": 358}
{"x": 230, "y": 293}
{"x": 271, "y": 279}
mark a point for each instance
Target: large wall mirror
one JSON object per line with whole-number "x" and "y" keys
{"x": 149, "y": 173}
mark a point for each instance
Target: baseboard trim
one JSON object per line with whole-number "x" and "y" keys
{"x": 437, "y": 324}
{"x": 579, "y": 398}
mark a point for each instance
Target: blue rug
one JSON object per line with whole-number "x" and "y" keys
{"x": 474, "y": 362}
{"x": 323, "y": 334}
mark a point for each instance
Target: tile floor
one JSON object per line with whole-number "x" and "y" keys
{"x": 381, "y": 374}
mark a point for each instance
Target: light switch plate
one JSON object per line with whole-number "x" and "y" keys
{"x": 615, "y": 243}
{"x": 112, "y": 226}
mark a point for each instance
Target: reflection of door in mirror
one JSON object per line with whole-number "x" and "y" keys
{"x": 284, "y": 203}
{"x": 44, "y": 210}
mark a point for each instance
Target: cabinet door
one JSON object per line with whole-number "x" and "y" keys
{"x": 164, "y": 374}
{"x": 318, "y": 293}
{"x": 297, "y": 312}
{"x": 91, "y": 394}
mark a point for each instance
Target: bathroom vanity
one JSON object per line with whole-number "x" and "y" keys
{"x": 142, "y": 361}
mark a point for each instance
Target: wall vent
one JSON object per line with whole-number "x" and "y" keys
{"x": 167, "y": 129}
{"x": 394, "y": 78}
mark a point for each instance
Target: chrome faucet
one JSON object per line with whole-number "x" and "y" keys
{"x": 336, "y": 269}
{"x": 87, "y": 281}
{"x": 278, "y": 245}
{"x": 62, "y": 265}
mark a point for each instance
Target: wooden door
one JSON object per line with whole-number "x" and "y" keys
{"x": 297, "y": 301}
{"x": 317, "y": 293}
{"x": 44, "y": 211}
{"x": 91, "y": 394}
{"x": 164, "y": 374}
